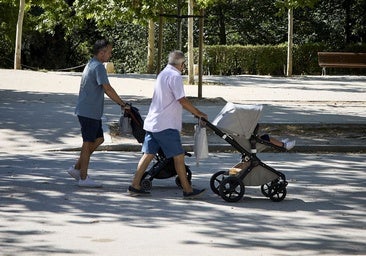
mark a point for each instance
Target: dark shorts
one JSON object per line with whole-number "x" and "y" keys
{"x": 91, "y": 129}
{"x": 168, "y": 140}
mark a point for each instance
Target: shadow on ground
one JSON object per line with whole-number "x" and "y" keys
{"x": 325, "y": 193}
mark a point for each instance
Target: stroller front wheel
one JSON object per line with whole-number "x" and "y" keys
{"x": 266, "y": 189}
{"x": 278, "y": 195}
{"x": 275, "y": 190}
{"x": 232, "y": 189}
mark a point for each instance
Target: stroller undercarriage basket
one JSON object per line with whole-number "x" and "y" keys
{"x": 239, "y": 124}
{"x": 163, "y": 169}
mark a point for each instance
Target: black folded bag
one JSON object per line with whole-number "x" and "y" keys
{"x": 137, "y": 123}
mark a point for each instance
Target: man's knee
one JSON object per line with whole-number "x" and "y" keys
{"x": 179, "y": 159}
{"x": 99, "y": 140}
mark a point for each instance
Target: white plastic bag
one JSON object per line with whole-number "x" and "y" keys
{"x": 125, "y": 125}
{"x": 200, "y": 142}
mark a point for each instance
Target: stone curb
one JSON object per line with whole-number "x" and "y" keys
{"x": 228, "y": 148}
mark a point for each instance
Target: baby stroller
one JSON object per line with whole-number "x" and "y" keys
{"x": 238, "y": 125}
{"x": 164, "y": 167}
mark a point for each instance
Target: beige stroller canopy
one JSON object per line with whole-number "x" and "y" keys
{"x": 238, "y": 119}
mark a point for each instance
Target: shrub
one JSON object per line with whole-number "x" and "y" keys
{"x": 268, "y": 59}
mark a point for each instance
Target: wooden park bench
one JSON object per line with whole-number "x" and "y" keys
{"x": 341, "y": 60}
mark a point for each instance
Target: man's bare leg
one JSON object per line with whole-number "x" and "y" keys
{"x": 87, "y": 150}
{"x": 141, "y": 168}
{"x": 182, "y": 173}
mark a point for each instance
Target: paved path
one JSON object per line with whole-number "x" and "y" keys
{"x": 301, "y": 100}
{"x": 43, "y": 212}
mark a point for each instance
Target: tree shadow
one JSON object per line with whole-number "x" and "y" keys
{"x": 45, "y": 119}
{"x": 325, "y": 194}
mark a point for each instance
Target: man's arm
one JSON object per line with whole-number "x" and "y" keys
{"x": 111, "y": 93}
{"x": 187, "y": 105}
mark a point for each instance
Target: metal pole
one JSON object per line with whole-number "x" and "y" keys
{"x": 200, "y": 54}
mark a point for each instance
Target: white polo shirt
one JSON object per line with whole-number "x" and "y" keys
{"x": 165, "y": 111}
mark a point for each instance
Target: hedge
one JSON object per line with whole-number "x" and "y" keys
{"x": 268, "y": 59}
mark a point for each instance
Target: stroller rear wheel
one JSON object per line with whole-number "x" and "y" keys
{"x": 232, "y": 189}
{"x": 216, "y": 180}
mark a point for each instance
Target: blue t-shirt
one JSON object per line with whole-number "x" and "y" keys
{"x": 91, "y": 94}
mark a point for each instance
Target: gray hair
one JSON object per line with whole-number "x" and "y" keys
{"x": 176, "y": 58}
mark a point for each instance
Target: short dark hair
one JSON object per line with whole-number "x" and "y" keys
{"x": 100, "y": 45}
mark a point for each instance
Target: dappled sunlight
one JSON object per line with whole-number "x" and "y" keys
{"x": 29, "y": 121}
{"x": 318, "y": 83}
{"x": 42, "y": 209}
{"x": 321, "y": 197}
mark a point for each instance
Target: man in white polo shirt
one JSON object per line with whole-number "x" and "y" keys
{"x": 164, "y": 123}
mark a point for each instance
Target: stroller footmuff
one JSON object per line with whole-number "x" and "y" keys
{"x": 164, "y": 167}
{"x": 238, "y": 125}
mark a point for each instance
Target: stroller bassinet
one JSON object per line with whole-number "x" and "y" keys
{"x": 238, "y": 125}
{"x": 163, "y": 168}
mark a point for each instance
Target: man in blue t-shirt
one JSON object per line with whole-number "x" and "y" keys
{"x": 89, "y": 109}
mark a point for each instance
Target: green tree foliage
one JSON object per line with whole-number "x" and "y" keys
{"x": 333, "y": 22}
{"x": 8, "y": 20}
{"x": 59, "y": 33}
{"x": 129, "y": 47}
{"x": 245, "y": 22}
{"x": 283, "y": 5}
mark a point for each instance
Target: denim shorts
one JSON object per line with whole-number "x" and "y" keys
{"x": 168, "y": 140}
{"x": 91, "y": 129}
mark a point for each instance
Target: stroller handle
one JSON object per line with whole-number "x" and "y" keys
{"x": 201, "y": 119}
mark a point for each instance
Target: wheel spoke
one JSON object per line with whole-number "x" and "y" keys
{"x": 216, "y": 180}
{"x": 232, "y": 189}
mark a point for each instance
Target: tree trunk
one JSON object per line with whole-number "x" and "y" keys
{"x": 290, "y": 43}
{"x": 151, "y": 48}
{"x": 190, "y": 44}
{"x": 348, "y": 21}
{"x": 222, "y": 28}
{"x": 160, "y": 44}
{"x": 200, "y": 54}
{"x": 18, "y": 39}
{"x": 179, "y": 25}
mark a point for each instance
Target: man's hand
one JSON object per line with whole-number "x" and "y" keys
{"x": 126, "y": 107}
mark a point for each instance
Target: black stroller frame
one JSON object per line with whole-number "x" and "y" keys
{"x": 230, "y": 184}
{"x": 164, "y": 167}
